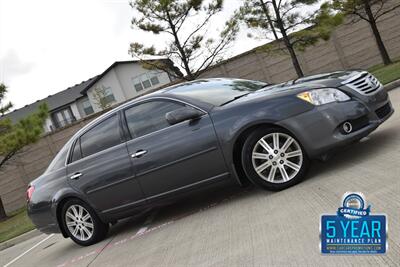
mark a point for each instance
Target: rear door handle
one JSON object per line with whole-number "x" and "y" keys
{"x": 139, "y": 153}
{"x": 76, "y": 176}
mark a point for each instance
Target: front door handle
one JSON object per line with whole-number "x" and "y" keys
{"x": 76, "y": 176}
{"x": 139, "y": 153}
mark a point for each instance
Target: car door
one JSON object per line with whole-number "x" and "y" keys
{"x": 101, "y": 169}
{"x": 169, "y": 158}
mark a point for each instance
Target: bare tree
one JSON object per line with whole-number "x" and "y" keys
{"x": 100, "y": 97}
{"x": 370, "y": 11}
{"x": 288, "y": 23}
{"x": 187, "y": 23}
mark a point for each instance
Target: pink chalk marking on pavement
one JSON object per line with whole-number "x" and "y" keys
{"x": 145, "y": 230}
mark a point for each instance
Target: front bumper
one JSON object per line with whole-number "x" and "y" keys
{"x": 320, "y": 129}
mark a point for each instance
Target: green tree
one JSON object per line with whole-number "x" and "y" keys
{"x": 289, "y": 24}
{"x": 370, "y": 11}
{"x": 187, "y": 23}
{"x": 4, "y": 107}
{"x": 13, "y": 137}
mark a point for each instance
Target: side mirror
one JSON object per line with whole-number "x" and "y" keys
{"x": 182, "y": 114}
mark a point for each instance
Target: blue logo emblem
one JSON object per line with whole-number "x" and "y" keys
{"x": 353, "y": 206}
{"x": 353, "y": 230}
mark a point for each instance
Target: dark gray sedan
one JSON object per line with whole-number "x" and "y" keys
{"x": 185, "y": 138}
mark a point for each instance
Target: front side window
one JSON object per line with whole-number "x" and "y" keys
{"x": 149, "y": 116}
{"x": 104, "y": 135}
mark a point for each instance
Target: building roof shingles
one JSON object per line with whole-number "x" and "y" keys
{"x": 69, "y": 95}
{"x": 53, "y": 101}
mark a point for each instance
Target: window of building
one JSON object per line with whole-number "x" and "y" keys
{"x": 146, "y": 80}
{"x": 154, "y": 80}
{"x": 146, "y": 84}
{"x": 104, "y": 135}
{"x": 149, "y": 117}
{"x": 63, "y": 117}
{"x": 108, "y": 95}
{"x": 87, "y": 107}
{"x": 137, "y": 84}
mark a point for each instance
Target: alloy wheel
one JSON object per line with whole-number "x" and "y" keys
{"x": 277, "y": 157}
{"x": 79, "y": 222}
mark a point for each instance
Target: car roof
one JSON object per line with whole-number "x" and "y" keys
{"x": 166, "y": 93}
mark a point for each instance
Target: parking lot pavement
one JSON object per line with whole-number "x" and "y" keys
{"x": 248, "y": 227}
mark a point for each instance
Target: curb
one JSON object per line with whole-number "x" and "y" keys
{"x": 392, "y": 85}
{"x": 19, "y": 239}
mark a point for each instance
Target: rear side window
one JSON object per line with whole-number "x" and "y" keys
{"x": 104, "y": 135}
{"x": 76, "y": 152}
{"x": 59, "y": 161}
{"x": 149, "y": 117}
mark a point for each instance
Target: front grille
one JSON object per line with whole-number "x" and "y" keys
{"x": 364, "y": 83}
{"x": 383, "y": 111}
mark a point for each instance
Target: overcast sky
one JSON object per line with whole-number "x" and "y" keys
{"x": 49, "y": 45}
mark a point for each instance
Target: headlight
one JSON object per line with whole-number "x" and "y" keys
{"x": 323, "y": 96}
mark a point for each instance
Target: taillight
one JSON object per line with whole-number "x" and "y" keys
{"x": 29, "y": 192}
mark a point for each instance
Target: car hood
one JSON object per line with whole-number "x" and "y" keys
{"x": 324, "y": 80}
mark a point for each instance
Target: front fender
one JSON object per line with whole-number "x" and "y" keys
{"x": 231, "y": 122}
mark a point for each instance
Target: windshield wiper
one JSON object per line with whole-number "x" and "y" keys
{"x": 233, "y": 99}
{"x": 268, "y": 85}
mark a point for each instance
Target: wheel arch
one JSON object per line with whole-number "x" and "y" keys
{"x": 241, "y": 138}
{"x": 58, "y": 208}
{"x": 238, "y": 145}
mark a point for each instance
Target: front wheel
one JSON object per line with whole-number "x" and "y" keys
{"x": 273, "y": 159}
{"x": 82, "y": 224}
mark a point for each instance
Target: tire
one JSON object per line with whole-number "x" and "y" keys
{"x": 266, "y": 165}
{"x": 77, "y": 214}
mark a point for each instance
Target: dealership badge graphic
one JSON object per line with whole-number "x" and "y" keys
{"x": 353, "y": 229}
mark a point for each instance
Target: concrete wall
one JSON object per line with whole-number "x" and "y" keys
{"x": 31, "y": 163}
{"x": 351, "y": 46}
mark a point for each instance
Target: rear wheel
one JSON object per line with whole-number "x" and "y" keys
{"x": 273, "y": 159}
{"x": 82, "y": 224}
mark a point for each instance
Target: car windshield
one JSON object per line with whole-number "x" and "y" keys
{"x": 217, "y": 91}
